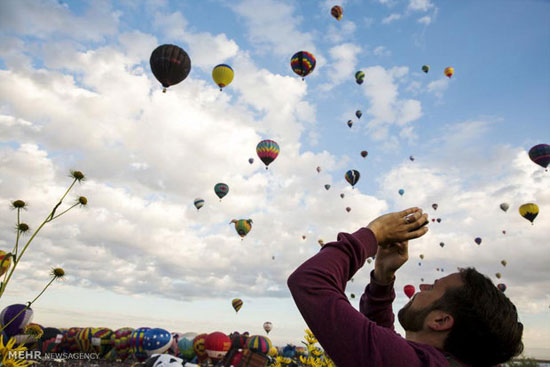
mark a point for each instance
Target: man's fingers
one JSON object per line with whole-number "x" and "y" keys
{"x": 406, "y": 212}
{"x": 418, "y": 233}
{"x": 419, "y": 220}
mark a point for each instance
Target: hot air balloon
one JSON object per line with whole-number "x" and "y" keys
{"x": 222, "y": 75}
{"x": 426, "y": 68}
{"x": 433, "y": 220}
{"x": 18, "y": 315}
{"x": 199, "y": 203}
{"x": 504, "y": 206}
{"x": 122, "y": 342}
{"x": 5, "y": 262}
{"x": 136, "y": 343}
{"x": 163, "y": 360}
{"x": 540, "y": 154}
{"x": 304, "y": 237}
{"x": 503, "y": 232}
{"x": 409, "y": 290}
{"x": 438, "y": 220}
{"x": 478, "y": 240}
{"x": 434, "y": 206}
{"x": 327, "y": 186}
{"x": 401, "y": 192}
{"x": 267, "y": 150}
{"x": 342, "y": 195}
{"x": 352, "y": 295}
{"x": 441, "y": 244}
{"x": 237, "y": 304}
{"x": 358, "y": 114}
{"x": 352, "y": 177}
{"x": 504, "y": 262}
{"x": 337, "y": 12}
{"x": 199, "y": 347}
{"x": 318, "y": 169}
{"x": 359, "y": 77}
{"x": 258, "y": 343}
{"x": 350, "y": 123}
{"x": 498, "y": 275}
{"x": 216, "y": 345}
{"x": 348, "y": 209}
{"x": 501, "y": 287}
{"x": 250, "y": 160}
{"x": 242, "y": 226}
{"x": 170, "y": 65}
{"x": 529, "y": 211}
{"x": 156, "y": 341}
{"x": 364, "y": 153}
{"x": 302, "y": 63}
{"x": 421, "y": 257}
{"x": 185, "y": 348}
{"x": 449, "y": 71}
{"x": 321, "y": 242}
{"x": 411, "y": 158}
{"x": 221, "y": 190}
{"x": 268, "y": 326}
{"x": 369, "y": 260}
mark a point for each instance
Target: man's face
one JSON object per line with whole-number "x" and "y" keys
{"x": 413, "y": 315}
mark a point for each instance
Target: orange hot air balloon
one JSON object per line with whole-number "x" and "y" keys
{"x": 449, "y": 71}
{"x": 337, "y": 12}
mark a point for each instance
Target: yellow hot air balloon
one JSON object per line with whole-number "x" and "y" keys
{"x": 237, "y": 303}
{"x": 529, "y": 211}
{"x": 273, "y": 352}
{"x": 222, "y": 75}
{"x": 449, "y": 71}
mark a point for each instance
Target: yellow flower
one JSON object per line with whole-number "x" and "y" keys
{"x": 34, "y": 330}
{"x": 8, "y": 347}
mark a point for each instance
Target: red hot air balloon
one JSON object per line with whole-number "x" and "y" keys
{"x": 364, "y": 154}
{"x": 216, "y": 345}
{"x": 409, "y": 290}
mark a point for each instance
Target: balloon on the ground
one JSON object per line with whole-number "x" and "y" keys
{"x": 164, "y": 360}
{"x": 237, "y": 303}
{"x": 69, "y": 342}
{"x": 216, "y": 345}
{"x": 222, "y": 75}
{"x": 303, "y": 63}
{"x": 198, "y": 346}
{"x": 24, "y": 317}
{"x": 122, "y": 342}
{"x": 185, "y": 348}
{"x": 425, "y": 68}
{"x": 170, "y": 64}
{"x": 352, "y": 177}
{"x": 136, "y": 343}
{"x": 156, "y": 341}
{"x": 529, "y": 211}
{"x": 449, "y": 71}
{"x": 337, "y": 12}
{"x": 258, "y": 343}
{"x": 221, "y": 190}
{"x": 102, "y": 340}
{"x": 199, "y": 203}
{"x": 504, "y": 206}
{"x": 242, "y": 226}
{"x": 409, "y": 290}
{"x": 540, "y": 154}
{"x": 268, "y": 326}
{"x": 267, "y": 150}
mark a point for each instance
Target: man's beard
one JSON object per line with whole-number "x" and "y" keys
{"x": 413, "y": 320}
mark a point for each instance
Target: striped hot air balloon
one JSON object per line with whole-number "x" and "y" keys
{"x": 242, "y": 226}
{"x": 352, "y": 176}
{"x": 221, "y": 190}
{"x": 258, "y": 343}
{"x": 267, "y": 150}
{"x": 337, "y": 12}
{"x": 199, "y": 203}
{"x": 237, "y": 304}
{"x": 540, "y": 154}
{"x": 303, "y": 63}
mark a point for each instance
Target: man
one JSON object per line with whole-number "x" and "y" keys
{"x": 462, "y": 320}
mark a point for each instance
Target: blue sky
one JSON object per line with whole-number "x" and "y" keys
{"x": 76, "y": 92}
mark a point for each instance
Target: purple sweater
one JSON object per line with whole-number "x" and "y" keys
{"x": 352, "y": 338}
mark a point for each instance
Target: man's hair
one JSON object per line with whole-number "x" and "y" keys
{"x": 486, "y": 330}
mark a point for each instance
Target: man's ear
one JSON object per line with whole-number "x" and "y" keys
{"x": 440, "y": 321}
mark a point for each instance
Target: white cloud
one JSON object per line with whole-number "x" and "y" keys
{"x": 343, "y": 64}
{"x": 340, "y": 32}
{"x": 425, "y": 20}
{"x": 381, "y": 51}
{"x": 273, "y": 27}
{"x": 437, "y": 87}
{"x": 420, "y": 5}
{"x": 390, "y": 18}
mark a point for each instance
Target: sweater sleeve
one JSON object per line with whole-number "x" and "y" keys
{"x": 376, "y": 303}
{"x": 347, "y": 335}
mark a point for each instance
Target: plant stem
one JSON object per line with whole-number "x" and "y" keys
{"x": 28, "y": 305}
{"x": 60, "y": 214}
